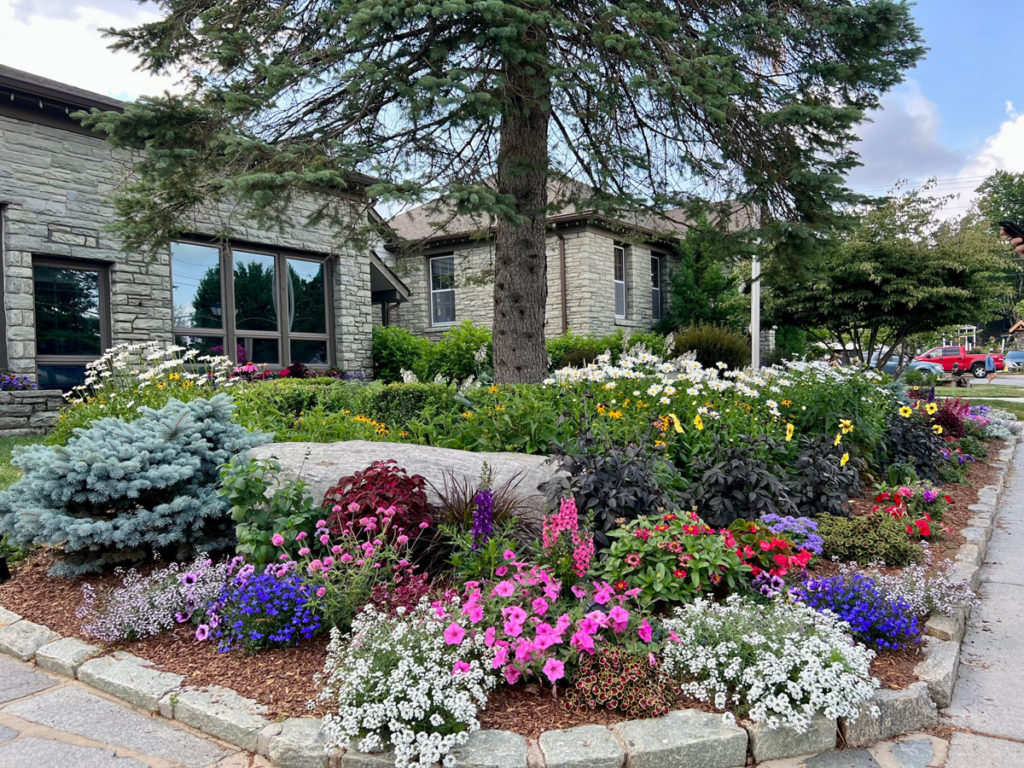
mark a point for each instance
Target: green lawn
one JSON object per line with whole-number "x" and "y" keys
{"x": 9, "y": 474}
{"x": 980, "y": 391}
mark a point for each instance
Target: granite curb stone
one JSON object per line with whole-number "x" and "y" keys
{"x": 220, "y": 712}
{"x": 130, "y": 678}
{"x": 8, "y": 617}
{"x": 773, "y": 744}
{"x": 683, "y": 739}
{"x": 23, "y": 638}
{"x": 938, "y": 669}
{"x": 588, "y": 746}
{"x": 890, "y": 713}
{"x": 492, "y": 749}
{"x": 297, "y": 743}
{"x": 65, "y": 656}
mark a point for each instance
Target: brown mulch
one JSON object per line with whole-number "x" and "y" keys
{"x": 283, "y": 679}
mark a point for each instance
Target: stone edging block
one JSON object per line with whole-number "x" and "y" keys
{"x": 23, "y": 638}
{"x": 130, "y": 678}
{"x": 220, "y": 712}
{"x": 890, "y": 713}
{"x": 773, "y": 744}
{"x": 65, "y": 656}
{"x": 8, "y": 617}
{"x": 938, "y": 669}
{"x": 683, "y": 739}
{"x": 295, "y": 743}
{"x": 588, "y": 746}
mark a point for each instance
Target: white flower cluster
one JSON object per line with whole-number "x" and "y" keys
{"x": 130, "y": 367}
{"x": 926, "y": 593}
{"x": 394, "y": 681}
{"x": 778, "y": 663}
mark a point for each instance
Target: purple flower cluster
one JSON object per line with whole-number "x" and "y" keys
{"x": 802, "y": 530}
{"x": 876, "y": 619}
{"x": 260, "y": 611}
{"x": 483, "y": 517}
{"x": 10, "y": 382}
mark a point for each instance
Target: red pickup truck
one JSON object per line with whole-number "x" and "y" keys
{"x": 956, "y": 358}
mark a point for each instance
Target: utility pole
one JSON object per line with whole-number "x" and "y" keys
{"x": 755, "y": 312}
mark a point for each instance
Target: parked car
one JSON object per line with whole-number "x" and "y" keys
{"x": 957, "y": 358}
{"x": 893, "y": 364}
{"x": 1014, "y": 360}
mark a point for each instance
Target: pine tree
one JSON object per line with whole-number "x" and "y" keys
{"x": 654, "y": 103}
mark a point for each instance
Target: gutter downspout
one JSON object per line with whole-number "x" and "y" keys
{"x": 562, "y": 281}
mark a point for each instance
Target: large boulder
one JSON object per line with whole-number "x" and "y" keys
{"x": 320, "y": 465}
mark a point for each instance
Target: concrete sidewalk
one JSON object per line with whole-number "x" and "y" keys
{"x": 51, "y": 722}
{"x": 988, "y": 699}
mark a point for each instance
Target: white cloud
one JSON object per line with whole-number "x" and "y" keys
{"x": 61, "y": 40}
{"x": 901, "y": 142}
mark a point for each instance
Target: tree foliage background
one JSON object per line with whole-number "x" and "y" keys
{"x": 656, "y": 104}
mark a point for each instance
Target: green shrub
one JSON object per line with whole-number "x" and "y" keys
{"x": 396, "y": 348}
{"x": 578, "y": 351}
{"x": 123, "y": 492}
{"x": 463, "y": 351}
{"x": 653, "y": 340}
{"x": 790, "y": 342}
{"x": 868, "y": 539}
{"x": 397, "y": 404}
{"x": 713, "y": 344}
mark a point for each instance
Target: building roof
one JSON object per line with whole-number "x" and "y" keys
{"x": 436, "y": 221}
{"x": 19, "y": 84}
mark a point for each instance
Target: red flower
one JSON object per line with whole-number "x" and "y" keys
{"x": 661, "y": 528}
{"x": 669, "y": 517}
{"x": 679, "y": 573}
{"x": 621, "y": 585}
{"x": 923, "y": 528}
{"x": 883, "y": 496}
{"x": 643, "y": 533}
{"x": 947, "y": 498}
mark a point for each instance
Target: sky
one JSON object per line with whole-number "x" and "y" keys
{"x": 958, "y": 117}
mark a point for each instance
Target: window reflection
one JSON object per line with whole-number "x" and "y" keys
{"x": 67, "y": 304}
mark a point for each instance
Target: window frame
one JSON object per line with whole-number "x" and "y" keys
{"x": 657, "y": 262}
{"x": 230, "y": 333}
{"x": 102, "y": 269}
{"x": 619, "y": 257}
{"x": 432, "y": 291}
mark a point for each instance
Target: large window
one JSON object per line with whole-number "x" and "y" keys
{"x": 619, "y": 257}
{"x": 442, "y": 290}
{"x": 655, "y": 287}
{"x": 235, "y": 301}
{"x": 72, "y": 319}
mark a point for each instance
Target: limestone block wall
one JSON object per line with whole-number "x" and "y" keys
{"x": 55, "y": 188}
{"x": 29, "y": 411}
{"x": 590, "y": 289}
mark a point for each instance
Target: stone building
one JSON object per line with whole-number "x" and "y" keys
{"x": 70, "y": 291}
{"x": 603, "y": 273}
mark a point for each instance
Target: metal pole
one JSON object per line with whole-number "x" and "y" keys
{"x": 755, "y": 312}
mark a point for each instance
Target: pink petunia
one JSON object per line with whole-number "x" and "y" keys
{"x": 515, "y": 614}
{"x": 554, "y": 670}
{"x": 321, "y": 592}
{"x": 504, "y": 589}
{"x": 509, "y": 555}
{"x": 598, "y": 617}
{"x": 644, "y": 631}
{"x": 579, "y": 590}
{"x": 583, "y": 641}
{"x": 512, "y": 675}
{"x": 476, "y": 613}
{"x": 620, "y": 619}
{"x": 500, "y": 657}
{"x": 489, "y": 635}
{"x": 512, "y": 629}
{"x": 460, "y": 667}
{"x": 563, "y": 623}
{"x": 603, "y": 594}
{"x": 540, "y": 606}
{"x": 524, "y": 649}
{"x": 453, "y": 634}
{"x": 500, "y": 571}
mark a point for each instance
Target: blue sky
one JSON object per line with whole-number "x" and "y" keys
{"x": 954, "y": 119}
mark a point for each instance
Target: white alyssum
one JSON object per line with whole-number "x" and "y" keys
{"x": 778, "y": 663}
{"x": 393, "y": 683}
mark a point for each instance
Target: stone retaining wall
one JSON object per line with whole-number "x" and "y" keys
{"x": 29, "y": 411}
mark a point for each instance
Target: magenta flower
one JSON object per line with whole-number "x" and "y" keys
{"x": 554, "y": 670}
{"x": 202, "y": 632}
{"x": 515, "y": 613}
{"x": 583, "y": 641}
{"x": 513, "y": 629}
{"x": 500, "y": 657}
{"x": 604, "y": 593}
{"x": 540, "y": 606}
{"x": 509, "y": 555}
{"x": 346, "y": 558}
{"x": 579, "y": 590}
{"x": 460, "y": 667}
{"x": 489, "y": 635}
{"x": 301, "y": 535}
{"x": 644, "y": 631}
{"x": 453, "y": 634}
{"x": 277, "y": 539}
{"x": 504, "y": 589}
{"x": 303, "y": 551}
{"x": 511, "y": 675}
{"x": 321, "y": 523}
{"x": 321, "y": 592}
{"x": 500, "y": 571}
{"x": 620, "y": 619}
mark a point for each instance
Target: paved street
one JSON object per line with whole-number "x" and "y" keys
{"x": 51, "y": 722}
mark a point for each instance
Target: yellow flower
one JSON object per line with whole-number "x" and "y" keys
{"x": 659, "y": 443}
{"x": 614, "y": 414}
{"x": 839, "y": 439}
{"x": 467, "y": 414}
{"x": 931, "y": 408}
{"x": 789, "y": 432}
{"x": 676, "y": 425}
{"x": 786, "y": 403}
{"x": 905, "y": 411}
{"x": 173, "y": 376}
{"x": 161, "y": 385}
{"x": 936, "y": 429}
{"x": 842, "y": 461}
{"x": 845, "y": 426}
{"x": 601, "y": 408}
{"x": 492, "y": 389}
{"x": 698, "y": 422}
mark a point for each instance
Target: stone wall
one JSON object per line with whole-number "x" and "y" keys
{"x": 29, "y": 411}
{"x": 590, "y": 288}
{"x": 55, "y": 187}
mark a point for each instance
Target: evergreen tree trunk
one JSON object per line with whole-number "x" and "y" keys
{"x": 520, "y": 258}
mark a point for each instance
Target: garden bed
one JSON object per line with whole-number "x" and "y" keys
{"x": 282, "y": 679}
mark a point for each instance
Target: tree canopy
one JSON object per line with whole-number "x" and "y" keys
{"x": 901, "y": 271}
{"x": 656, "y": 104}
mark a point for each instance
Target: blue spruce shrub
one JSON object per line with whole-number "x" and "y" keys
{"x": 123, "y": 492}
